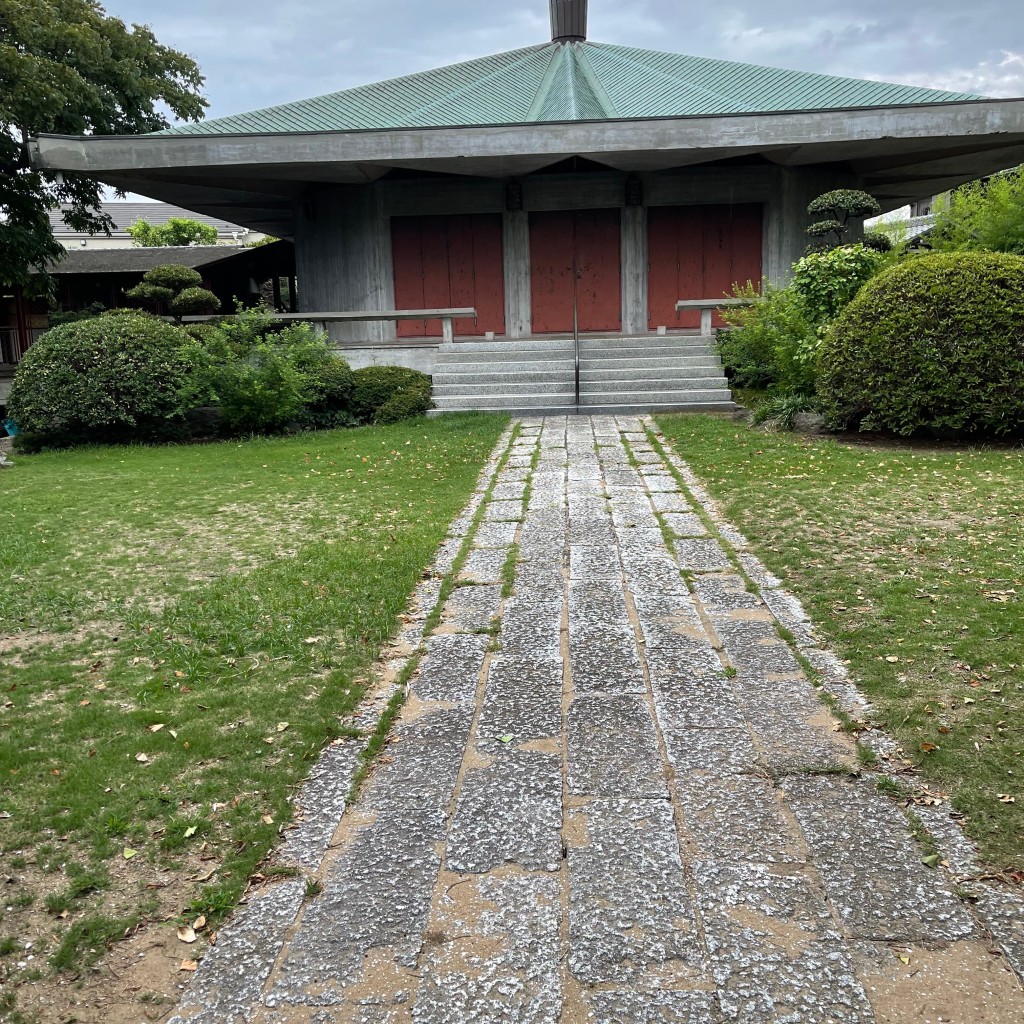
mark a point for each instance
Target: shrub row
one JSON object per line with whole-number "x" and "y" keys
{"x": 130, "y": 376}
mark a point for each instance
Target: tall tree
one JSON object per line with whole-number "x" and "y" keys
{"x": 177, "y": 231}
{"x": 66, "y": 67}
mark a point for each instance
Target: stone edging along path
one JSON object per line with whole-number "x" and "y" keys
{"x": 612, "y": 793}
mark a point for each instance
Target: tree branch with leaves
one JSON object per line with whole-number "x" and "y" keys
{"x": 67, "y": 68}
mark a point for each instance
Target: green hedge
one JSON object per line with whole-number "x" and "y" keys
{"x": 935, "y": 343}
{"x": 378, "y": 392}
{"x": 113, "y": 378}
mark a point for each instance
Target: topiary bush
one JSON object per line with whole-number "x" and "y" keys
{"x": 405, "y": 405}
{"x": 329, "y": 399}
{"x": 113, "y": 378}
{"x": 935, "y": 343}
{"x": 375, "y": 386}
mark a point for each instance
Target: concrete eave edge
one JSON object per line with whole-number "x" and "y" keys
{"x": 983, "y": 119}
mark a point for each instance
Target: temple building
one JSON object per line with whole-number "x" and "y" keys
{"x": 569, "y": 186}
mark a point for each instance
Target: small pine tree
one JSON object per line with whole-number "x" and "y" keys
{"x": 176, "y": 288}
{"x": 837, "y": 209}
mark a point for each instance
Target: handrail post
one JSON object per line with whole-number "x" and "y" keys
{"x": 447, "y": 331}
{"x": 705, "y": 322}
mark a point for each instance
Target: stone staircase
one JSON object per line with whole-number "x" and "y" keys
{"x": 650, "y": 373}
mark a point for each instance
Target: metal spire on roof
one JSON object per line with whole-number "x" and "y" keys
{"x": 568, "y": 21}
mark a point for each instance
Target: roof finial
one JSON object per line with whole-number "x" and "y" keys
{"x": 568, "y": 21}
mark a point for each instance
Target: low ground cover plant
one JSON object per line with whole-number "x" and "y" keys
{"x": 908, "y": 559}
{"x": 190, "y": 626}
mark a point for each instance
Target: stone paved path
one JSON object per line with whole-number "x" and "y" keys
{"x": 613, "y": 795}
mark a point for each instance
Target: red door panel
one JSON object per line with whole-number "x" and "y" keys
{"x": 699, "y": 252}
{"x": 407, "y": 258}
{"x": 551, "y": 261}
{"x": 449, "y": 261}
{"x": 587, "y": 242}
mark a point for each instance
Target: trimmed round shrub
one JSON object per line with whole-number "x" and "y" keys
{"x": 404, "y": 406}
{"x": 194, "y": 302}
{"x": 374, "y": 386}
{"x": 113, "y": 378}
{"x": 329, "y": 403}
{"x": 935, "y": 344}
{"x": 174, "y": 277}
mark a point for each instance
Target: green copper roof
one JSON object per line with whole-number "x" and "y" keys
{"x": 577, "y": 81}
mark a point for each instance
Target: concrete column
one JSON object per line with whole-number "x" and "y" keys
{"x": 634, "y": 270}
{"x": 518, "y": 311}
{"x": 786, "y": 218}
{"x": 343, "y": 254}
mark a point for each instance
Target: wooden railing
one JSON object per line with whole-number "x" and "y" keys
{"x": 446, "y": 316}
{"x": 707, "y": 309}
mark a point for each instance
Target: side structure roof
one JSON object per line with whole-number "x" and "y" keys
{"x": 574, "y": 81}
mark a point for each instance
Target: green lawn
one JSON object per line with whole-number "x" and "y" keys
{"x": 182, "y": 631}
{"x": 911, "y": 560}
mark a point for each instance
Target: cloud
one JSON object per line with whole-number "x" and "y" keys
{"x": 258, "y": 53}
{"x": 1004, "y": 77}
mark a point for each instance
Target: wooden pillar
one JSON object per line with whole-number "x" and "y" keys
{"x": 518, "y": 314}
{"x": 634, "y": 270}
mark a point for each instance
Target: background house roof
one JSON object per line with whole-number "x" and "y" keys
{"x": 138, "y": 260}
{"x": 569, "y": 81}
{"x": 126, "y": 213}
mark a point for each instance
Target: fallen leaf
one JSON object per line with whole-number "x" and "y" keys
{"x": 84, "y": 703}
{"x": 186, "y": 933}
{"x": 506, "y": 739}
{"x": 128, "y": 853}
{"x": 1005, "y": 798}
{"x": 931, "y": 861}
{"x": 199, "y": 923}
{"x": 205, "y": 876}
{"x": 268, "y": 819}
{"x": 892, "y": 659}
{"x": 155, "y": 728}
{"x": 142, "y": 758}
{"x": 282, "y": 726}
{"x": 928, "y": 747}
{"x": 191, "y": 831}
{"x": 189, "y": 965}
{"x": 904, "y": 959}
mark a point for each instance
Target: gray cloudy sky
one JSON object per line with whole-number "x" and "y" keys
{"x": 259, "y": 52}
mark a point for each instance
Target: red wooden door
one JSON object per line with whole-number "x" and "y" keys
{"x": 449, "y": 261}
{"x": 575, "y": 258}
{"x": 699, "y": 252}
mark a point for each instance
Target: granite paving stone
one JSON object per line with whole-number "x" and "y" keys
{"x": 484, "y": 565}
{"x": 472, "y": 608}
{"x": 738, "y": 818}
{"x": 376, "y": 896}
{"x": 503, "y": 511}
{"x": 613, "y": 748}
{"x": 871, "y": 865}
{"x": 754, "y": 645}
{"x": 702, "y": 555}
{"x": 685, "y": 524}
{"x": 618, "y": 1007}
{"x": 522, "y": 702}
{"x": 725, "y": 592}
{"x": 452, "y": 664}
{"x": 494, "y": 954}
{"x": 531, "y": 628}
{"x": 509, "y": 813}
{"x": 423, "y": 761}
{"x": 630, "y": 915}
{"x": 495, "y": 535}
{"x": 713, "y": 752}
{"x": 230, "y": 985}
{"x": 321, "y": 806}
{"x": 775, "y": 950}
